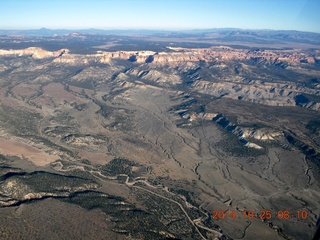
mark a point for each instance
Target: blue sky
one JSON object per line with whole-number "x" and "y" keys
{"x": 161, "y": 14}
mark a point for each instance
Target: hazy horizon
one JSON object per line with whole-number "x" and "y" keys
{"x": 300, "y": 15}
{"x": 151, "y": 29}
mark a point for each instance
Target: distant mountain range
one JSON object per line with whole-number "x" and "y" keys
{"x": 50, "y": 32}
{"x": 225, "y": 36}
{"x": 223, "y": 31}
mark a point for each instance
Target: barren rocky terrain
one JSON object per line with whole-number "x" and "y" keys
{"x": 150, "y": 144}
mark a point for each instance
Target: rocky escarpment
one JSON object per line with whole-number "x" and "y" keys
{"x": 270, "y": 77}
{"x": 263, "y": 134}
{"x": 281, "y": 58}
{"x": 18, "y": 187}
{"x": 273, "y": 94}
{"x": 244, "y": 134}
{"x": 34, "y": 52}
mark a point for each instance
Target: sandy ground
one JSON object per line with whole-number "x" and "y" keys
{"x": 19, "y": 149}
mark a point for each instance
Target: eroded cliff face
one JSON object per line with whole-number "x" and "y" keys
{"x": 270, "y": 77}
{"x": 271, "y": 94}
{"x": 178, "y": 55}
{"x": 21, "y": 187}
{"x": 34, "y": 52}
